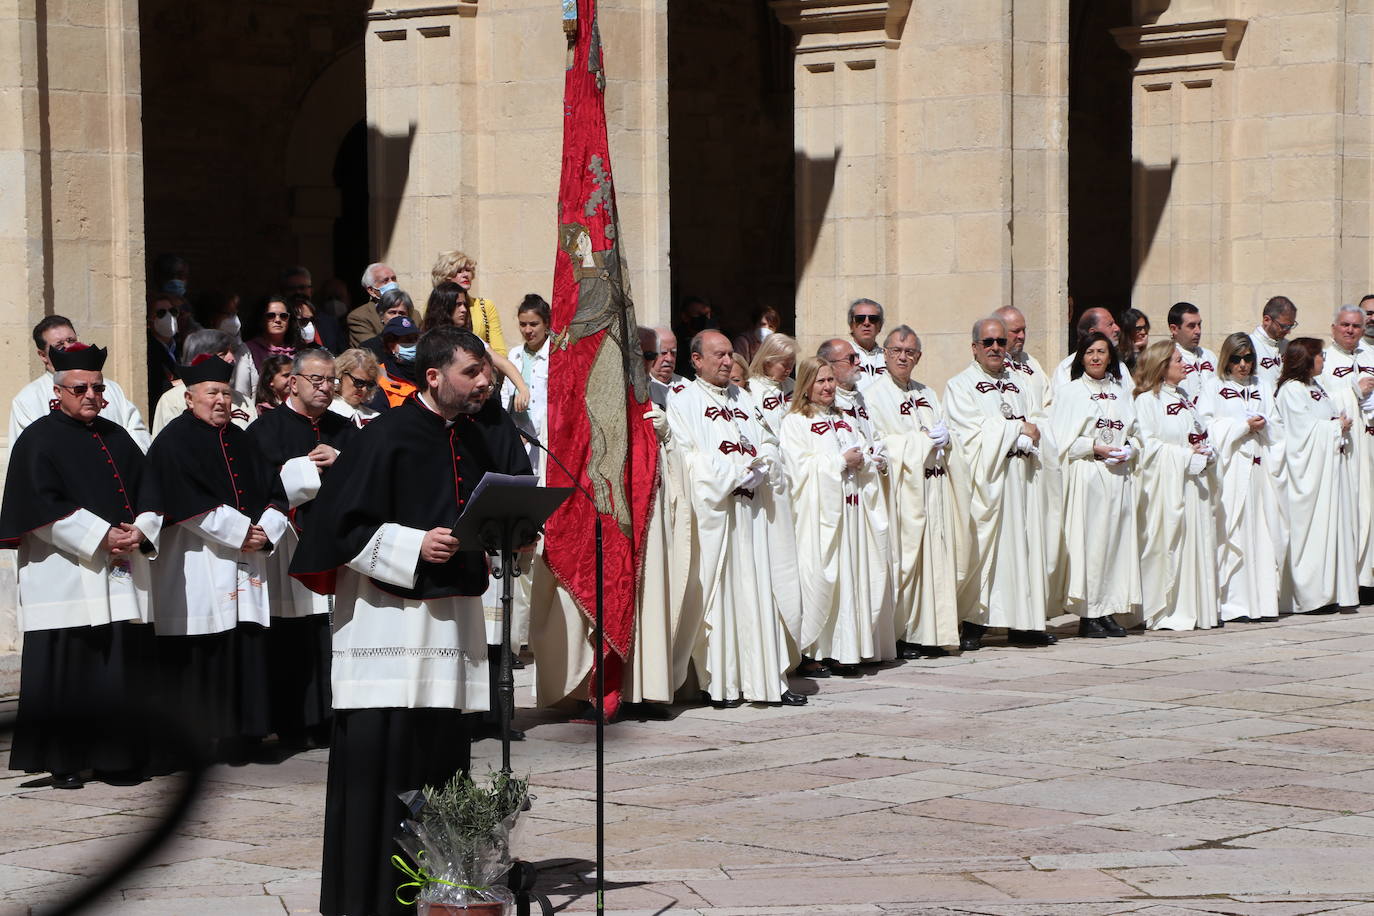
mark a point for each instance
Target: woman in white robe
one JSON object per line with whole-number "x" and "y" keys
{"x": 770, "y": 378}
{"x": 837, "y": 498}
{"x": 1096, "y": 440}
{"x": 1324, "y": 548}
{"x": 1253, "y": 534}
{"x": 1177, "y": 498}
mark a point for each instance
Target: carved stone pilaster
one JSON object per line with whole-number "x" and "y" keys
{"x": 829, "y": 26}
{"x": 1188, "y": 46}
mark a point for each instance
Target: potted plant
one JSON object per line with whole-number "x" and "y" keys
{"x": 459, "y": 839}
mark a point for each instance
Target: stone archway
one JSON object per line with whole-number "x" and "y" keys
{"x": 331, "y": 108}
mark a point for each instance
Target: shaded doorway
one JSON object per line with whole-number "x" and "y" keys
{"x": 731, "y": 159}
{"x": 1100, "y": 272}
{"x": 240, "y": 101}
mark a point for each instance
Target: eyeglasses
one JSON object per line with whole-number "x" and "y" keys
{"x": 1241, "y": 358}
{"x": 1285, "y": 327}
{"x": 901, "y": 351}
{"x": 362, "y": 383}
{"x": 80, "y": 390}
{"x": 990, "y": 341}
{"x": 852, "y": 359}
{"x": 319, "y": 381}
{"x": 866, "y": 319}
{"x": 276, "y": 316}
{"x": 62, "y": 344}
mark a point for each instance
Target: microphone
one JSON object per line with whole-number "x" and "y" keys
{"x": 532, "y": 439}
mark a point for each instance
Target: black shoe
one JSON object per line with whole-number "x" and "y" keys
{"x": 812, "y": 668}
{"x": 789, "y": 698}
{"x": 657, "y": 712}
{"x": 67, "y": 781}
{"x": 908, "y": 650}
{"x": 971, "y": 636}
{"x": 841, "y": 670}
{"x": 119, "y": 777}
{"x": 1031, "y": 638}
{"x": 1088, "y": 628}
{"x": 1112, "y": 627}
{"x": 517, "y": 663}
{"x": 720, "y": 704}
{"x": 933, "y": 651}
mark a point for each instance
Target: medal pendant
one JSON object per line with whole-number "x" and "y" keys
{"x": 1006, "y": 410}
{"x": 1107, "y": 436}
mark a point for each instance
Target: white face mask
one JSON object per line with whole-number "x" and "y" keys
{"x": 230, "y": 324}
{"x": 308, "y": 331}
{"x": 166, "y": 326}
{"x": 387, "y": 287}
{"x": 763, "y": 334}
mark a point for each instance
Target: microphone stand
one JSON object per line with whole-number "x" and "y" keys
{"x": 600, "y": 701}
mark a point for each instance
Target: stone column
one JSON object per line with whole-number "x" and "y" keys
{"x": 465, "y": 126}
{"x": 1182, "y": 213}
{"x": 71, "y": 214}
{"x": 931, "y": 166}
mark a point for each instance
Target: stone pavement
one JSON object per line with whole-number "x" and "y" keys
{"x": 1226, "y": 771}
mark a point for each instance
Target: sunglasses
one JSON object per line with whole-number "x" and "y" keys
{"x": 80, "y": 390}
{"x": 989, "y": 341}
{"x": 276, "y": 316}
{"x": 867, "y": 319}
{"x": 1241, "y": 358}
{"x": 358, "y": 382}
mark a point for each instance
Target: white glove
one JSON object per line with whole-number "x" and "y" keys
{"x": 660, "y": 421}
{"x": 1367, "y": 404}
{"x": 1121, "y": 455}
{"x": 1024, "y": 443}
{"x": 755, "y": 478}
{"x": 1197, "y": 464}
{"x": 939, "y": 434}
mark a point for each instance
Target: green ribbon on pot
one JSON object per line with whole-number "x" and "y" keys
{"x": 420, "y": 879}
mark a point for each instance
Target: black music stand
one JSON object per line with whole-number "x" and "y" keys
{"x": 504, "y": 514}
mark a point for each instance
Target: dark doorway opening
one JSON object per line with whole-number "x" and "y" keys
{"x": 227, "y": 89}
{"x": 1100, "y": 272}
{"x": 730, "y": 159}
{"x": 352, "y": 242}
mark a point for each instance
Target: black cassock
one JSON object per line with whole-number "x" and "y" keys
{"x": 298, "y": 647}
{"x": 215, "y": 684}
{"x": 408, "y": 467}
{"x": 81, "y": 687}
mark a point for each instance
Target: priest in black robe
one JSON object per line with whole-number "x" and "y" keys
{"x": 301, "y": 440}
{"x": 410, "y": 651}
{"x": 69, "y": 509}
{"x": 223, "y": 512}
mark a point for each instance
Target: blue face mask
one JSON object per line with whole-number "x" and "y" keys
{"x": 405, "y": 353}
{"x": 386, "y": 288}
{"x": 175, "y": 287}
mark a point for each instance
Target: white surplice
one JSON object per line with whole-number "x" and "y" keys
{"x": 1252, "y": 545}
{"x": 926, "y": 531}
{"x": 1101, "y": 553}
{"x": 1341, "y": 378}
{"x": 872, "y": 364}
{"x": 1030, "y": 375}
{"x": 742, "y": 650}
{"x": 204, "y": 582}
{"x": 1199, "y": 364}
{"x": 68, "y": 579}
{"x": 1007, "y": 583}
{"x": 650, "y": 673}
{"x": 393, "y": 652}
{"x": 1323, "y": 547}
{"x": 839, "y": 551}
{"x": 1178, "y": 515}
{"x": 773, "y": 400}
{"x": 1268, "y": 358}
{"x": 35, "y": 400}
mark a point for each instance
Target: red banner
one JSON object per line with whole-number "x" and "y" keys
{"x": 598, "y": 389}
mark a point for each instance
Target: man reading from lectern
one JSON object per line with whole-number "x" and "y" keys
{"x": 409, "y": 644}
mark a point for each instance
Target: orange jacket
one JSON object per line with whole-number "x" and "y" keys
{"x": 395, "y": 389}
